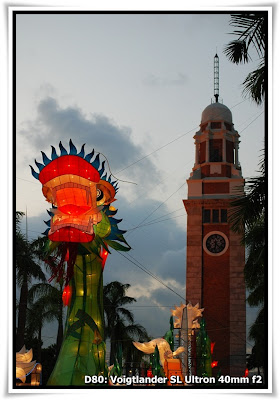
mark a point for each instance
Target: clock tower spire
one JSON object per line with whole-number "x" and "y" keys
{"x": 215, "y": 255}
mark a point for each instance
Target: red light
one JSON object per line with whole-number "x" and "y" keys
{"x": 246, "y": 372}
{"x": 212, "y": 347}
{"x": 103, "y": 255}
{"x": 66, "y": 295}
{"x": 66, "y": 255}
{"x": 150, "y": 373}
{"x": 214, "y": 364}
{"x": 66, "y": 234}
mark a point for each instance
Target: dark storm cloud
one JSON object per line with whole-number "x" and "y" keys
{"x": 54, "y": 123}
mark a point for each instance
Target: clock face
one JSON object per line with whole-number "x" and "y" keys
{"x": 215, "y": 243}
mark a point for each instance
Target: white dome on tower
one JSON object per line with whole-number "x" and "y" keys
{"x": 216, "y": 112}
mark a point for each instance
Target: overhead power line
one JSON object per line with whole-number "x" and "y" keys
{"x": 156, "y": 209}
{"x": 140, "y": 266}
{"x": 167, "y": 144}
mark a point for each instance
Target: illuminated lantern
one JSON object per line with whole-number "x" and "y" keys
{"x": 66, "y": 295}
{"x": 81, "y": 230}
{"x": 150, "y": 373}
{"x": 104, "y": 255}
{"x": 214, "y": 364}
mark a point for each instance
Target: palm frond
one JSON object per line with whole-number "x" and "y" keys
{"x": 126, "y": 313}
{"x": 237, "y": 51}
{"x": 251, "y": 30}
{"x": 254, "y": 84}
{"x": 257, "y": 329}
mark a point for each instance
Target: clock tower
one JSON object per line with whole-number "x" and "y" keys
{"x": 215, "y": 255}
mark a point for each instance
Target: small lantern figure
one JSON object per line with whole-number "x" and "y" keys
{"x": 66, "y": 295}
{"x": 36, "y": 375}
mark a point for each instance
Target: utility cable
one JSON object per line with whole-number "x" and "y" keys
{"x": 140, "y": 223}
{"x": 172, "y": 141}
{"x": 152, "y": 275}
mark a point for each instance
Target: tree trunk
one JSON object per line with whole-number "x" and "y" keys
{"x": 83, "y": 348}
{"x": 22, "y": 314}
{"x": 39, "y": 348}
{"x": 113, "y": 347}
{"x": 59, "y": 337}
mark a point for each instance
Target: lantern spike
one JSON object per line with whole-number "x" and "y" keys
{"x": 46, "y": 160}
{"x": 63, "y": 151}
{"x": 109, "y": 179}
{"x": 39, "y": 165}
{"x": 48, "y": 223}
{"x": 89, "y": 156}
{"x": 46, "y": 232}
{"x": 96, "y": 162}
{"x": 73, "y": 149}
{"x": 114, "y": 221}
{"x": 82, "y": 152}
{"x": 51, "y": 214}
{"x": 101, "y": 171}
{"x": 104, "y": 178}
{"x": 54, "y": 154}
{"x": 34, "y": 173}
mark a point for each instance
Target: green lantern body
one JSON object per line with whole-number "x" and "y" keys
{"x": 83, "y": 348}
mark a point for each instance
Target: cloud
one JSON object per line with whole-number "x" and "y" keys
{"x": 153, "y": 80}
{"x": 54, "y": 123}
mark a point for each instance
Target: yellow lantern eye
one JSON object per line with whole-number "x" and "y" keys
{"x": 99, "y": 194}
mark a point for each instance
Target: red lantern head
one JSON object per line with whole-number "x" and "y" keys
{"x": 76, "y": 188}
{"x": 69, "y": 183}
{"x": 66, "y": 295}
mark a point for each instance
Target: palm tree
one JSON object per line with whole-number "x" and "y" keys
{"x": 50, "y": 297}
{"x": 44, "y": 309}
{"x": 251, "y": 32}
{"x": 26, "y": 269}
{"x": 53, "y": 292}
{"x": 249, "y": 212}
{"x": 132, "y": 355}
{"x": 120, "y": 326}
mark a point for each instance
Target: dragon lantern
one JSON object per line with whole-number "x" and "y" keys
{"x": 81, "y": 230}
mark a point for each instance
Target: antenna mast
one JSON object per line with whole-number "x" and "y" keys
{"x": 216, "y": 77}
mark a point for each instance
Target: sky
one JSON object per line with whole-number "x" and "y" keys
{"x": 132, "y": 87}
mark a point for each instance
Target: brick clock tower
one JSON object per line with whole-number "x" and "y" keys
{"x": 215, "y": 257}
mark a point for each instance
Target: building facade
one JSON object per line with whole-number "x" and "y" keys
{"x": 215, "y": 256}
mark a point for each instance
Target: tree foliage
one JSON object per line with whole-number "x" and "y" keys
{"x": 249, "y": 211}
{"x": 251, "y": 33}
{"x": 27, "y": 269}
{"x": 119, "y": 325}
